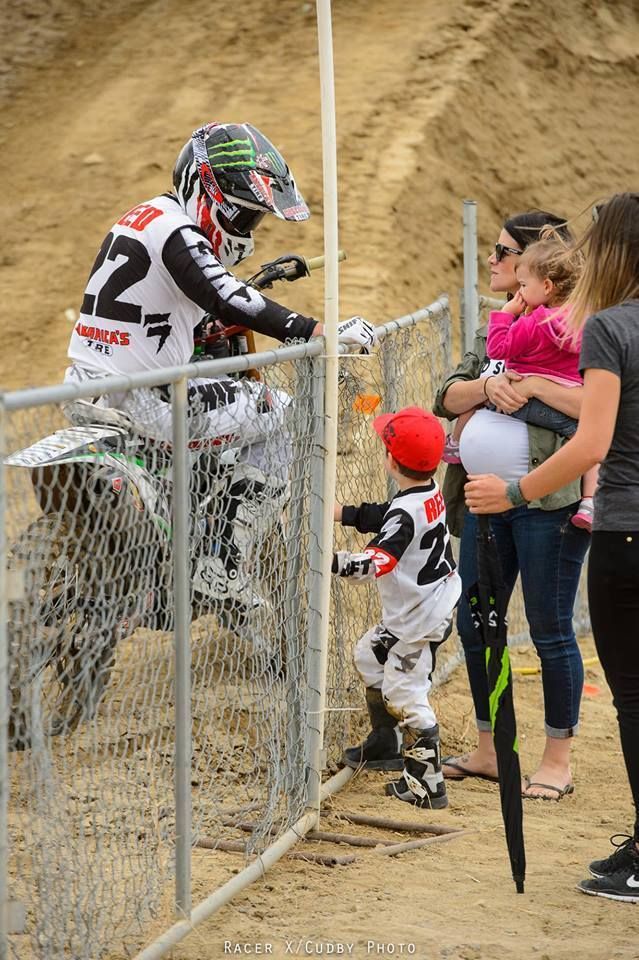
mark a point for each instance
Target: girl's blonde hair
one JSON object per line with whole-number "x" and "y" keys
{"x": 553, "y": 258}
{"x": 611, "y": 270}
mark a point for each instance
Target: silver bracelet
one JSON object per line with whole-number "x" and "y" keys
{"x": 514, "y": 494}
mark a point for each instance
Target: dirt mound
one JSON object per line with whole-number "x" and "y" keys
{"x": 510, "y": 103}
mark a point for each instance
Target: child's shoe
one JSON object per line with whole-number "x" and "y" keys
{"x": 423, "y": 781}
{"x": 451, "y": 450}
{"x": 379, "y": 751}
{"x": 584, "y": 516}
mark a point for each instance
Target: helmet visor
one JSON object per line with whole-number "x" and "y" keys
{"x": 243, "y": 223}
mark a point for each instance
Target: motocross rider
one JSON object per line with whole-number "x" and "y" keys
{"x": 161, "y": 268}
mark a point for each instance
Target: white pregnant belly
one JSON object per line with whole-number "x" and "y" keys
{"x": 495, "y": 443}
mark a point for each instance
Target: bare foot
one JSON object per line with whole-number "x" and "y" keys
{"x": 474, "y": 764}
{"x": 549, "y": 781}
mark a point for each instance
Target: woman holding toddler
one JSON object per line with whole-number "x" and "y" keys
{"x": 537, "y": 540}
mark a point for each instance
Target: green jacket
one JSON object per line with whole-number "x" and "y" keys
{"x": 542, "y": 444}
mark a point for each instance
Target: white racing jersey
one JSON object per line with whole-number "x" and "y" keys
{"x": 412, "y": 557}
{"x": 155, "y": 277}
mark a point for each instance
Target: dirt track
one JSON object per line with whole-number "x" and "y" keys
{"x": 436, "y": 102}
{"x": 509, "y": 102}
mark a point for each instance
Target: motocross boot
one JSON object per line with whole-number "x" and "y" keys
{"x": 380, "y": 750}
{"x": 246, "y": 518}
{"x": 422, "y": 783}
{"x": 226, "y": 579}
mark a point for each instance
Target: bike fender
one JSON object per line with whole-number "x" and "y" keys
{"x": 63, "y": 446}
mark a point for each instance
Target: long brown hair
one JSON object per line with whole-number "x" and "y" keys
{"x": 611, "y": 270}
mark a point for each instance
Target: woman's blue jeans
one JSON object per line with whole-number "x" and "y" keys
{"x": 548, "y": 551}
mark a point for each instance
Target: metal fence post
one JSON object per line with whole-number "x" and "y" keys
{"x": 4, "y": 706}
{"x": 314, "y": 624}
{"x": 295, "y": 665}
{"x": 182, "y": 599}
{"x": 391, "y": 402}
{"x": 322, "y": 509}
{"x": 471, "y": 294}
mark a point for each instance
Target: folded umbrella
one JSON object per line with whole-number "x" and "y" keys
{"x": 488, "y": 604}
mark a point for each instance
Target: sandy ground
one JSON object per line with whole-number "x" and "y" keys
{"x": 455, "y": 900}
{"x": 508, "y": 102}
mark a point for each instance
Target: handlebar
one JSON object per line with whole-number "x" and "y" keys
{"x": 213, "y": 339}
{"x": 289, "y": 267}
{"x": 317, "y": 263}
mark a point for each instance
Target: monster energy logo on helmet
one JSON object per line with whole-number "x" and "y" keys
{"x": 239, "y": 167}
{"x": 241, "y": 155}
{"x": 234, "y": 153}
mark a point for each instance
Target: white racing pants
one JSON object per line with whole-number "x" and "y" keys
{"x": 406, "y": 677}
{"x": 247, "y": 420}
{"x": 245, "y": 416}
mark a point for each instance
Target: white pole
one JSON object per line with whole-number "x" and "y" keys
{"x": 319, "y": 651}
{"x": 182, "y": 595}
{"x": 4, "y": 705}
{"x": 471, "y": 281}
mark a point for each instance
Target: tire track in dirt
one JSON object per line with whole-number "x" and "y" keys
{"x": 394, "y": 132}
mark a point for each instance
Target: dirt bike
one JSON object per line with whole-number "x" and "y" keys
{"x": 97, "y": 563}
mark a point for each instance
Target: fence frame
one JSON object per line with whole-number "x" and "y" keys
{"x": 182, "y": 648}
{"x": 190, "y": 916}
{"x": 321, "y": 540}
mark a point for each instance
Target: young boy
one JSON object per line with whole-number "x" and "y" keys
{"x": 411, "y": 560}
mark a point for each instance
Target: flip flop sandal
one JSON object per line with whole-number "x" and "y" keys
{"x": 560, "y": 791}
{"x": 464, "y": 772}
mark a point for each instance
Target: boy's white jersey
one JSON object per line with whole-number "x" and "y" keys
{"x": 414, "y": 566}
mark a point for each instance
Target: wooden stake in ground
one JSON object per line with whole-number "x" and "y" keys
{"x": 402, "y": 826}
{"x": 236, "y": 846}
{"x": 395, "y": 848}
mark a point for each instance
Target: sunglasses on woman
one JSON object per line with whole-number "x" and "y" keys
{"x": 501, "y": 250}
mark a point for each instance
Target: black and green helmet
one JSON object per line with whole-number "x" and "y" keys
{"x": 241, "y": 173}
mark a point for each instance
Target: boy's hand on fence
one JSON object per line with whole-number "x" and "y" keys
{"x": 356, "y": 566}
{"x": 337, "y": 512}
{"x": 359, "y": 332}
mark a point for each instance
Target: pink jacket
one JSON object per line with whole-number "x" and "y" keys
{"x": 533, "y": 344}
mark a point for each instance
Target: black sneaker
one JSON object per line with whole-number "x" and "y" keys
{"x": 621, "y": 859}
{"x": 379, "y": 751}
{"x": 401, "y": 790}
{"x": 623, "y": 884}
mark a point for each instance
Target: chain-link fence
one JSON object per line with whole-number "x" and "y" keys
{"x": 409, "y": 365}
{"x": 93, "y": 719}
{"x": 159, "y": 622}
